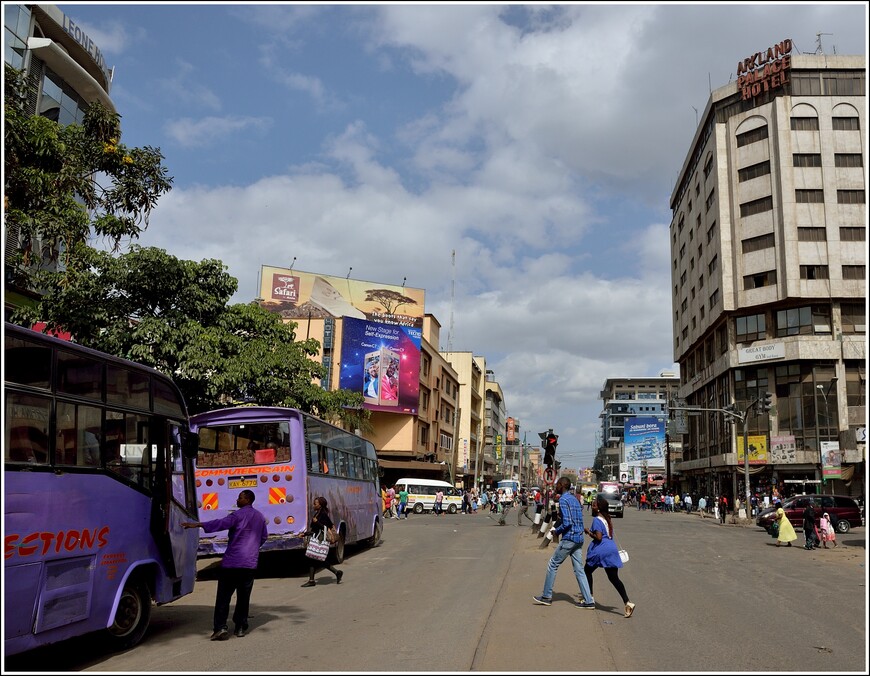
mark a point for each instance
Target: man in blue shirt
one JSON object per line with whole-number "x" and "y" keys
{"x": 570, "y": 544}
{"x": 247, "y": 533}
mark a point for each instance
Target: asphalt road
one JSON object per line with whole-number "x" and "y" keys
{"x": 453, "y": 593}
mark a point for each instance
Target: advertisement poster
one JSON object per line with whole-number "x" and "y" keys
{"x": 783, "y": 450}
{"x": 832, "y": 460}
{"x": 382, "y": 328}
{"x": 757, "y": 450}
{"x": 645, "y": 442}
{"x": 383, "y": 362}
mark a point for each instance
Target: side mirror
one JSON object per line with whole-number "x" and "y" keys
{"x": 190, "y": 445}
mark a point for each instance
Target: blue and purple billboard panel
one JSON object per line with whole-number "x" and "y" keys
{"x": 383, "y": 362}
{"x": 645, "y": 442}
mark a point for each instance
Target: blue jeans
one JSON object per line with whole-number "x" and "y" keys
{"x": 401, "y": 510}
{"x": 565, "y": 549}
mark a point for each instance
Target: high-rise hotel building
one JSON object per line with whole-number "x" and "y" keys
{"x": 769, "y": 274}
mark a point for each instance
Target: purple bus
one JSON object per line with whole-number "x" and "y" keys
{"x": 98, "y": 477}
{"x": 287, "y": 458}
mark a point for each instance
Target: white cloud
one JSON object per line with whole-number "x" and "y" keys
{"x": 192, "y": 133}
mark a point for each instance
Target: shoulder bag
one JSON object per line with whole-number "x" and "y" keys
{"x": 318, "y": 547}
{"x": 331, "y": 535}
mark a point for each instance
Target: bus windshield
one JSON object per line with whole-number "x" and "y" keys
{"x": 96, "y": 486}
{"x": 287, "y": 458}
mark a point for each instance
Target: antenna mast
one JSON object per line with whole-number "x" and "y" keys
{"x": 452, "y": 298}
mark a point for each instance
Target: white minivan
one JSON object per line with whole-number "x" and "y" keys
{"x": 421, "y": 495}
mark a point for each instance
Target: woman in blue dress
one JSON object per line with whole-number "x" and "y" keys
{"x": 603, "y": 552}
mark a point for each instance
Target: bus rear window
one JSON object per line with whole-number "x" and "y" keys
{"x": 239, "y": 445}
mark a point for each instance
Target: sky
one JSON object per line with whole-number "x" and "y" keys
{"x": 515, "y": 161}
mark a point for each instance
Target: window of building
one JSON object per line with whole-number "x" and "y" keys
{"x": 844, "y": 124}
{"x": 852, "y": 234}
{"x": 848, "y": 160}
{"x": 814, "y": 272}
{"x": 756, "y": 206}
{"x": 710, "y": 199}
{"x": 809, "y": 196}
{"x": 691, "y": 264}
{"x": 854, "y": 272}
{"x": 714, "y": 263}
{"x": 708, "y": 166}
{"x": 682, "y": 251}
{"x": 683, "y": 278}
{"x": 751, "y": 136}
{"x": 850, "y": 197}
{"x": 845, "y": 83}
{"x": 806, "y": 84}
{"x": 811, "y": 234}
{"x": 15, "y": 34}
{"x": 694, "y": 323}
{"x": 805, "y": 123}
{"x": 684, "y": 305}
{"x": 853, "y": 317}
{"x": 807, "y": 320}
{"x": 692, "y": 293}
{"x": 752, "y": 327}
{"x": 714, "y": 298}
{"x": 758, "y": 243}
{"x": 722, "y": 338}
{"x": 697, "y": 189}
{"x": 681, "y": 223}
{"x": 711, "y": 232}
{"x": 856, "y": 385}
{"x": 685, "y": 333}
{"x": 703, "y": 312}
{"x": 759, "y": 280}
{"x": 807, "y": 159}
{"x": 753, "y": 171}
{"x": 701, "y": 282}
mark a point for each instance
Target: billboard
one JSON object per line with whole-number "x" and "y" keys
{"x": 832, "y": 460}
{"x": 382, "y": 328}
{"x": 783, "y": 450}
{"x": 645, "y": 442}
{"x": 757, "y": 449}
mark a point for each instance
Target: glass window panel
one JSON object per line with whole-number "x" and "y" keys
{"x": 128, "y": 449}
{"x": 126, "y": 387}
{"x": 78, "y": 433}
{"x": 26, "y": 428}
{"x": 166, "y": 399}
{"x": 79, "y": 375}
{"x": 27, "y": 363}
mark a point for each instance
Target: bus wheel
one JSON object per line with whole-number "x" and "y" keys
{"x": 451, "y": 509}
{"x": 338, "y": 550}
{"x": 133, "y": 615}
{"x": 375, "y": 539}
{"x": 418, "y": 508}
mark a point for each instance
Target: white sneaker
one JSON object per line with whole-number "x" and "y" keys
{"x": 629, "y": 609}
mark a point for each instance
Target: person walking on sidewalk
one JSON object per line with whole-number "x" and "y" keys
{"x": 603, "y": 552}
{"x": 523, "y": 511}
{"x": 320, "y": 522}
{"x": 247, "y": 533}
{"x": 570, "y": 544}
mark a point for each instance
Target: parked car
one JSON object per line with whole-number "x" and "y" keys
{"x": 842, "y": 509}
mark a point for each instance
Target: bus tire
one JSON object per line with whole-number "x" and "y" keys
{"x": 375, "y": 539}
{"x": 451, "y": 509}
{"x": 418, "y": 507}
{"x": 338, "y": 550}
{"x": 133, "y": 615}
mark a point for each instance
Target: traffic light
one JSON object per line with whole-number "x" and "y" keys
{"x": 765, "y": 403}
{"x": 550, "y": 442}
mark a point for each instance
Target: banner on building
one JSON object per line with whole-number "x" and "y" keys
{"x": 832, "y": 460}
{"x": 783, "y": 450}
{"x": 645, "y": 442}
{"x": 757, "y": 450}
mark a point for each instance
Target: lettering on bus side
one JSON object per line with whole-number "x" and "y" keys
{"x": 226, "y": 471}
{"x": 69, "y": 541}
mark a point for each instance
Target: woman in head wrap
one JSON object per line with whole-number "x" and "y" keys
{"x": 786, "y": 530}
{"x": 829, "y": 533}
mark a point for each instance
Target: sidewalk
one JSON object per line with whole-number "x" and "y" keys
{"x": 522, "y": 636}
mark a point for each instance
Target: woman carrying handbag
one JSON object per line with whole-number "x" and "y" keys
{"x": 319, "y": 526}
{"x": 603, "y": 551}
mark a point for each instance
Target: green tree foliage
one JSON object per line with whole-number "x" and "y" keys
{"x": 65, "y": 185}
{"x": 150, "y": 307}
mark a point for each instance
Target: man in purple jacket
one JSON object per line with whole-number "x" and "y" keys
{"x": 247, "y": 533}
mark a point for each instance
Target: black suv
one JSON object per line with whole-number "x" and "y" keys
{"x": 843, "y": 510}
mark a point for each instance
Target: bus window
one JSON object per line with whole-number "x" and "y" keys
{"x": 26, "y": 428}
{"x": 79, "y": 375}
{"x": 78, "y": 430}
{"x": 27, "y": 363}
{"x": 127, "y": 388}
{"x": 127, "y": 447}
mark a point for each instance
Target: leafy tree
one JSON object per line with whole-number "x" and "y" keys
{"x": 150, "y": 307}
{"x": 67, "y": 184}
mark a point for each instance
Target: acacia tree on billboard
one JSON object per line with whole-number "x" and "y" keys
{"x": 389, "y": 299}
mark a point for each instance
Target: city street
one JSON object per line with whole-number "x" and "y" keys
{"x": 453, "y": 593}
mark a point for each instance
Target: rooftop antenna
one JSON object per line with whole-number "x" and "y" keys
{"x": 819, "y": 49}
{"x": 452, "y": 297}
{"x": 292, "y": 263}
{"x": 349, "y": 270}
{"x": 259, "y": 298}
{"x": 404, "y": 279}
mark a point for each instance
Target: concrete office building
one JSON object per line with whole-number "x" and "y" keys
{"x": 768, "y": 251}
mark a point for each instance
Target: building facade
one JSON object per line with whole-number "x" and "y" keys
{"x": 66, "y": 71}
{"x": 636, "y": 397}
{"x": 768, "y": 249}
{"x": 471, "y": 369}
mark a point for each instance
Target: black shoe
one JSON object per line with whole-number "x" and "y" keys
{"x": 338, "y": 576}
{"x": 310, "y": 583}
{"x": 220, "y": 635}
{"x": 241, "y": 632}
